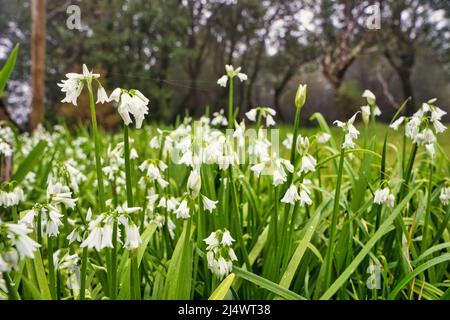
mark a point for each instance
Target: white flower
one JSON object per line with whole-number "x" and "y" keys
{"x": 53, "y": 221}
{"x": 107, "y": 233}
{"x": 94, "y": 239}
{"x": 231, "y": 73}
{"x": 19, "y": 237}
{"x": 222, "y": 81}
{"x": 242, "y": 76}
{"x": 269, "y": 121}
{"x": 194, "y": 183}
{"x": 102, "y": 96}
{"x": 397, "y": 123}
{"x": 133, "y": 238}
{"x": 350, "y": 131}
{"x": 369, "y": 96}
{"x": 209, "y": 204}
{"x": 74, "y": 236}
{"x": 383, "y": 196}
{"x": 57, "y": 193}
{"x": 131, "y": 102}
{"x": 323, "y": 138}
{"x": 445, "y": 195}
{"x": 219, "y": 119}
{"x": 308, "y": 164}
{"x": 74, "y": 83}
{"x": 227, "y": 240}
{"x": 287, "y": 143}
{"x": 133, "y": 154}
{"x": 211, "y": 241}
{"x": 11, "y": 198}
{"x": 430, "y": 150}
{"x": 28, "y": 218}
{"x": 304, "y": 196}
{"x": 251, "y": 115}
{"x": 182, "y": 212}
{"x": 291, "y": 195}
{"x": 220, "y": 255}
{"x": 154, "y": 143}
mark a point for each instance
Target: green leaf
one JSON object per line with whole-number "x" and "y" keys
{"x": 267, "y": 284}
{"x": 222, "y": 290}
{"x": 35, "y": 293}
{"x": 417, "y": 271}
{"x": 146, "y": 236}
{"x": 179, "y": 272}
{"x": 384, "y": 228}
{"x": 310, "y": 228}
{"x": 41, "y": 276}
{"x": 7, "y": 69}
{"x": 33, "y": 158}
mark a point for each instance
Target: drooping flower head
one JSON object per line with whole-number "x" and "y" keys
{"x": 74, "y": 84}
{"x": 350, "y": 131}
{"x": 130, "y": 102}
{"x": 231, "y": 73}
{"x": 220, "y": 254}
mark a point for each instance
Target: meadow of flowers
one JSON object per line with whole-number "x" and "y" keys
{"x": 221, "y": 208}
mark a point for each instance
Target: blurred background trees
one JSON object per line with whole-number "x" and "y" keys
{"x": 175, "y": 50}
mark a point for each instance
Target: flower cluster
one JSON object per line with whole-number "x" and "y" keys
{"x": 262, "y": 112}
{"x": 15, "y": 245}
{"x": 383, "y": 196}
{"x": 11, "y": 198}
{"x": 231, "y": 73}
{"x": 220, "y": 254}
{"x": 418, "y": 129}
{"x": 350, "y": 131}
{"x": 6, "y": 141}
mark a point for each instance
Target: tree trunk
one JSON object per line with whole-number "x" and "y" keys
{"x": 38, "y": 30}
{"x": 405, "y": 79}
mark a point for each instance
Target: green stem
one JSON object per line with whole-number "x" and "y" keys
{"x": 293, "y": 146}
{"x": 230, "y": 105}
{"x": 334, "y": 219}
{"x": 127, "y": 166}
{"x": 51, "y": 267}
{"x": 12, "y": 292}
{"x": 98, "y": 164}
{"x": 84, "y": 259}
{"x": 134, "y": 275}
{"x": 113, "y": 289}
{"x": 407, "y": 173}
{"x": 427, "y": 211}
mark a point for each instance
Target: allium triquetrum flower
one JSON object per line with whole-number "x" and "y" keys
{"x": 231, "y": 73}
{"x": 130, "y": 102}
{"x": 74, "y": 84}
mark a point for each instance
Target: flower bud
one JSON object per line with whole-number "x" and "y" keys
{"x": 302, "y": 145}
{"x": 369, "y": 96}
{"x": 194, "y": 183}
{"x": 300, "y": 96}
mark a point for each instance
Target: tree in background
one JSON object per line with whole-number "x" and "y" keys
{"x": 341, "y": 30}
{"x": 409, "y": 25}
{"x": 174, "y": 50}
{"x": 38, "y": 28}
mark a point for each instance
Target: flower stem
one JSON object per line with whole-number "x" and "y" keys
{"x": 293, "y": 146}
{"x": 98, "y": 164}
{"x": 334, "y": 219}
{"x": 127, "y": 166}
{"x": 84, "y": 259}
{"x": 427, "y": 211}
{"x": 134, "y": 274}
{"x": 230, "y": 105}
{"x": 12, "y": 292}
{"x": 51, "y": 267}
